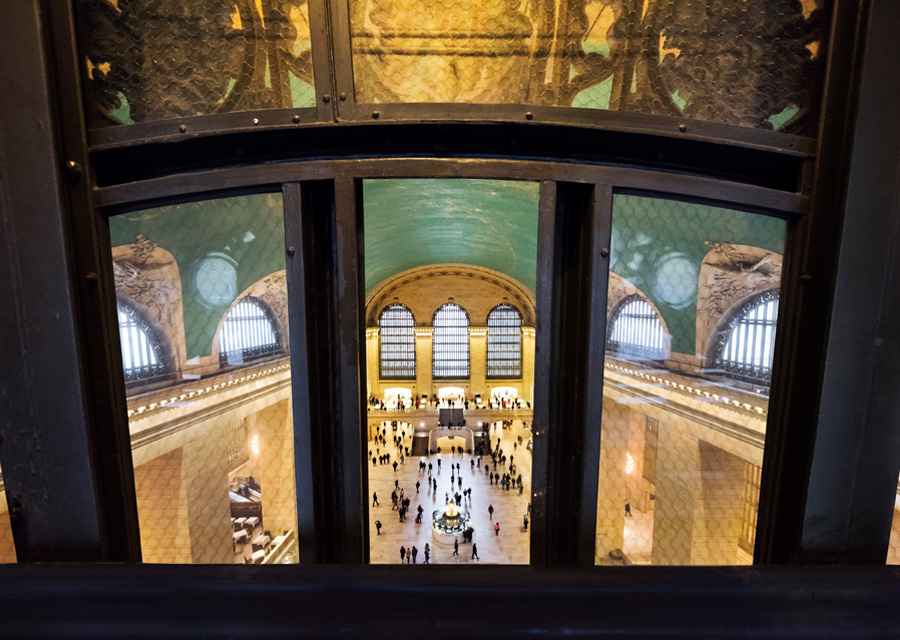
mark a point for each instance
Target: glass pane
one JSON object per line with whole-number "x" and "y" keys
{"x": 693, "y": 299}
{"x": 152, "y": 60}
{"x": 450, "y": 437}
{"x": 893, "y": 555}
{"x": 7, "y": 547}
{"x": 203, "y": 317}
{"x": 742, "y": 62}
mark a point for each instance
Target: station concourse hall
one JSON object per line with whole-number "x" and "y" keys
{"x": 330, "y": 318}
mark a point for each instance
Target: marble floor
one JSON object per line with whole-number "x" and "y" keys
{"x": 638, "y": 539}
{"x": 511, "y": 546}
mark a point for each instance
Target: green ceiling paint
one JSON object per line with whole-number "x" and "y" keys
{"x": 659, "y": 245}
{"x": 486, "y": 223}
{"x": 221, "y": 246}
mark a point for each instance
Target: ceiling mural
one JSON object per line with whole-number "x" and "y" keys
{"x": 484, "y": 223}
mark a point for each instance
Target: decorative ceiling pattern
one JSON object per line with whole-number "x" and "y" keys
{"x": 485, "y": 223}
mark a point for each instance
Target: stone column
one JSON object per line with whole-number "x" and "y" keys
{"x": 528, "y": 364}
{"x": 163, "y": 510}
{"x": 372, "y": 371}
{"x": 717, "y": 512}
{"x": 424, "y": 337}
{"x": 677, "y": 486}
{"x": 477, "y": 360}
{"x": 205, "y": 477}
{"x": 272, "y": 464}
{"x": 611, "y": 490}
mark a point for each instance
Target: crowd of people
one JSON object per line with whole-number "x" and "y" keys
{"x": 404, "y": 403}
{"x": 488, "y": 457}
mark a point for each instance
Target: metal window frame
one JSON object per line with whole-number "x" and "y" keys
{"x": 87, "y": 183}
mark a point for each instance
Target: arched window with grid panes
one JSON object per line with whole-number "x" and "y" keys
{"x": 397, "y": 343}
{"x": 142, "y": 355}
{"x": 635, "y": 330}
{"x": 248, "y": 332}
{"x": 450, "y": 343}
{"x": 504, "y": 342}
{"x": 746, "y": 343}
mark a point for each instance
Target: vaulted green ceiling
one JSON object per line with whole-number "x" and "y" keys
{"x": 415, "y": 222}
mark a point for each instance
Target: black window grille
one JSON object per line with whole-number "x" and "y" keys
{"x": 397, "y": 340}
{"x": 749, "y": 506}
{"x": 651, "y": 448}
{"x": 248, "y": 332}
{"x": 504, "y": 342}
{"x": 450, "y": 352}
{"x": 746, "y": 345}
{"x": 140, "y": 350}
{"x": 635, "y": 331}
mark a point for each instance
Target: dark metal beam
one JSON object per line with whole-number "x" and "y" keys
{"x": 766, "y": 167}
{"x": 147, "y": 601}
{"x": 573, "y": 232}
{"x": 853, "y": 479}
{"x": 65, "y": 454}
{"x": 806, "y": 307}
{"x": 326, "y": 295}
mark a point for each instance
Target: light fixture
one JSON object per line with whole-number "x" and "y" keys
{"x": 254, "y": 444}
{"x": 629, "y": 463}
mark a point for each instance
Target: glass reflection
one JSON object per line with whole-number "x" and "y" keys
{"x": 203, "y": 321}
{"x": 692, "y": 307}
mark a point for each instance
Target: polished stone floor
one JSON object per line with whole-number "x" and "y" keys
{"x": 511, "y": 546}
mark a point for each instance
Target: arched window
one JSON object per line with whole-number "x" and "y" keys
{"x": 745, "y": 346}
{"x": 504, "y": 342}
{"x": 140, "y": 350}
{"x": 247, "y": 333}
{"x": 635, "y": 330}
{"x": 397, "y": 343}
{"x": 450, "y": 353}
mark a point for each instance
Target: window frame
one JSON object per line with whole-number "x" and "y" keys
{"x": 733, "y": 319}
{"x": 412, "y": 340}
{"x": 636, "y": 350}
{"x": 150, "y": 372}
{"x": 455, "y": 343}
{"x": 249, "y": 352}
{"x": 518, "y": 367}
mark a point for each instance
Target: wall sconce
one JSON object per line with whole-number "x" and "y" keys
{"x": 629, "y": 463}
{"x": 254, "y": 444}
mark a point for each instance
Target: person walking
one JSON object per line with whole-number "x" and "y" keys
{"x": 417, "y": 486}
{"x": 491, "y": 511}
{"x": 439, "y": 465}
{"x": 375, "y": 499}
{"x": 378, "y": 526}
{"x": 456, "y": 547}
{"x": 408, "y": 555}
{"x": 628, "y": 510}
{"x": 496, "y": 528}
{"x": 395, "y": 466}
{"x": 475, "y": 551}
{"x": 415, "y": 552}
{"x": 427, "y": 553}
{"x": 525, "y": 521}
{"x": 402, "y": 553}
